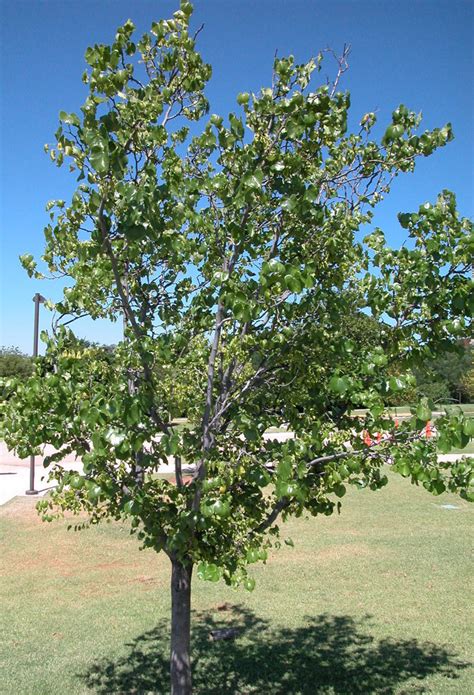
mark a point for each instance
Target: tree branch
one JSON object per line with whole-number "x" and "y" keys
{"x": 129, "y": 314}
{"x": 274, "y": 514}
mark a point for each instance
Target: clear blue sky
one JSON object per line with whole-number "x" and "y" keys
{"x": 419, "y": 53}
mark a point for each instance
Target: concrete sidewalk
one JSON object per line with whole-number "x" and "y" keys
{"x": 15, "y": 480}
{"x": 15, "y": 473}
{"x": 15, "y": 477}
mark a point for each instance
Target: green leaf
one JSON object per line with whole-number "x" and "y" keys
{"x": 467, "y": 495}
{"x": 295, "y": 130}
{"x": 134, "y": 232}
{"x": 98, "y": 443}
{"x": 404, "y": 218}
{"x": 393, "y": 132}
{"x": 171, "y": 443}
{"x": 251, "y": 434}
{"x": 209, "y": 572}
{"x": 468, "y": 427}
{"x": 186, "y": 8}
{"x": 354, "y": 465}
{"x": 241, "y": 312}
{"x": 260, "y": 478}
{"x": 137, "y": 442}
{"x": 243, "y": 98}
{"x": 221, "y": 508}
{"x": 423, "y": 411}
{"x": 338, "y": 384}
{"x": 69, "y": 118}
{"x": 395, "y": 384}
{"x": 99, "y": 159}
{"x": 115, "y": 437}
{"x": 220, "y": 277}
{"x": 26, "y": 259}
{"x": 379, "y": 359}
{"x": 94, "y": 491}
{"x": 253, "y": 180}
{"x": 287, "y": 489}
{"x": 376, "y": 410}
{"x": 294, "y": 283}
{"x": 443, "y": 443}
{"x": 130, "y": 507}
{"x": 132, "y": 415}
{"x": 252, "y": 556}
{"x": 236, "y": 127}
{"x": 437, "y": 487}
{"x": 403, "y": 467}
{"x": 284, "y": 468}
{"x": 290, "y": 203}
{"x": 249, "y": 583}
{"x": 77, "y": 482}
{"x": 278, "y": 166}
{"x": 216, "y": 120}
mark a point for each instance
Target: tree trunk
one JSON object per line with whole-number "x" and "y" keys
{"x": 180, "y": 663}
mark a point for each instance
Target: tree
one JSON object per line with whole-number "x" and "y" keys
{"x": 467, "y": 383}
{"x": 224, "y": 251}
{"x": 13, "y": 362}
{"x": 446, "y": 378}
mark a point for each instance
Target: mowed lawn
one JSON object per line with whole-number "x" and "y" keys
{"x": 375, "y": 600}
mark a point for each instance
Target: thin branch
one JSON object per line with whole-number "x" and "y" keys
{"x": 66, "y": 323}
{"x": 274, "y": 514}
{"x": 129, "y": 315}
{"x": 342, "y": 66}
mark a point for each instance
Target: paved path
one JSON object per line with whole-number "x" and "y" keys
{"x": 15, "y": 472}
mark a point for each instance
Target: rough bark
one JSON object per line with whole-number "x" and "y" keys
{"x": 180, "y": 662}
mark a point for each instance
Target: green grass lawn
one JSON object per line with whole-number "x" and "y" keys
{"x": 372, "y": 601}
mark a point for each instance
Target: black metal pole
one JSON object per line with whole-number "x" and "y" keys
{"x": 37, "y": 299}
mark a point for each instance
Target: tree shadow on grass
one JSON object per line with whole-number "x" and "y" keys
{"x": 329, "y": 654}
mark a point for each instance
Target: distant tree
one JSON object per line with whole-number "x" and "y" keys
{"x": 445, "y": 377}
{"x": 467, "y": 384}
{"x": 13, "y": 362}
{"x": 309, "y": 357}
{"x": 431, "y": 386}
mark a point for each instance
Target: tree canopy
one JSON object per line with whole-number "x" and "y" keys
{"x": 233, "y": 248}
{"x": 448, "y": 377}
{"x": 14, "y": 363}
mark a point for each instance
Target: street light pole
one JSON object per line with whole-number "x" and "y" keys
{"x": 38, "y": 299}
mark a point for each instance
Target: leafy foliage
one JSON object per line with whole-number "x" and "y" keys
{"x": 467, "y": 384}
{"x": 13, "y": 362}
{"x": 446, "y": 377}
